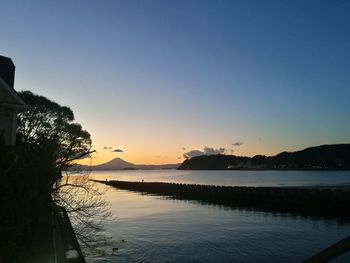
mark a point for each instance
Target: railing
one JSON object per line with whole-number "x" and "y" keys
{"x": 331, "y": 252}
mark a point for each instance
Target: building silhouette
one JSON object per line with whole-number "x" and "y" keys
{"x": 10, "y": 102}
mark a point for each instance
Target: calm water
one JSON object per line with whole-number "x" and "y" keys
{"x": 156, "y": 229}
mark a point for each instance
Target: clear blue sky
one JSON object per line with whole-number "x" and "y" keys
{"x": 151, "y": 77}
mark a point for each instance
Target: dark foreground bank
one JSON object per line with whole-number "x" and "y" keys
{"x": 53, "y": 240}
{"x": 306, "y": 200}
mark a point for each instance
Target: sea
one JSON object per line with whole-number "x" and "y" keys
{"x": 150, "y": 228}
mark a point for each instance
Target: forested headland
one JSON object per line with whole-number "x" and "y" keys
{"x": 324, "y": 157}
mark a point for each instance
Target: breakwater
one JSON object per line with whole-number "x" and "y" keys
{"x": 305, "y": 200}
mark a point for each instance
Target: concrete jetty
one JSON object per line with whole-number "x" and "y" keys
{"x": 327, "y": 201}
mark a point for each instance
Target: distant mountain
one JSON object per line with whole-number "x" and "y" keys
{"x": 332, "y": 157}
{"x": 120, "y": 164}
{"x": 114, "y": 164}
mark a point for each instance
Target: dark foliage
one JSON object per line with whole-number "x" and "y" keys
{"x": 48, "y": 142}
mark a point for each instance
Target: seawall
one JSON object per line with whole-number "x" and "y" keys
{"x": 53, "y": 239}
{"x": 307, "y": 200}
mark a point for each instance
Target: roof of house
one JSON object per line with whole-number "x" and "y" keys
{"x": 7, "y": 70}
{"x": 8, "y": 96}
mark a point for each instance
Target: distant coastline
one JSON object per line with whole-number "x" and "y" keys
{"x": 318, "y": 158}
{"x": 324, "y": 157}
{"x": 120, "y": 164}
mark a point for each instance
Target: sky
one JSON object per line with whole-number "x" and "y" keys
{"x": 163, "y": 79}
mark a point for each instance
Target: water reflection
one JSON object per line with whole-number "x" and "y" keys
{"x": 268, "y": 212}
{"x": 321, "y": 204}
{"x": 163, "y": 229}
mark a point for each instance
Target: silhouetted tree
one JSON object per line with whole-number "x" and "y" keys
{"x": 84, "y": 202}
{"x": 38, "y": 171}
{"x": 49, "y": 128}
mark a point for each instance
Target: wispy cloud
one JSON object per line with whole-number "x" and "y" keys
{"x": 213, "y": 151}
{"x": 117, "y": 151}
{"x": 192, "y": 153}
{"x": 205, "y": 151}
{"x": 107, "y": 148}
{"x": 237, "y": 143}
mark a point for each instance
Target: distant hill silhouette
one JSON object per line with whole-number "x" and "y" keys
{"x": 332, "y": 157}
{"x": 120, "y": 164}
